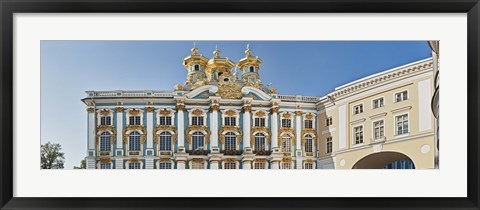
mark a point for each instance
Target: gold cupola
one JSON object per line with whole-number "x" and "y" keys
{"x": 249, "y": 65}
{"x": 219, "y": 69}
{"x": 195, "y": 64}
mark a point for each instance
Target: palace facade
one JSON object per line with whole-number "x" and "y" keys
{"x": 223, "y": 120}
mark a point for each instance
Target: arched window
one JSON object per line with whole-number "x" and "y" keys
{"x": 105, "y": 141}
{"x": 260, "y": 142}
{"x": 230, "y": 141}
{"x": 286, "y": 143}
{"x": 197, "y": 140}
{"x": 165, "y": 141}
{"x": 196, "y": 67}
{"x": 134, "y": 141}
{"x": 308, "y": 143}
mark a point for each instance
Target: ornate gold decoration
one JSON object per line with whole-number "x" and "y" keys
{"x": 104, "y": 112}
{"x": 230, "y": 160}
{"x": 214, "y": 108}
{"x": 199, "y": 84}
{"x": 134, "y": 159}
{"x": 119, "y": 109}
{"x": 149, "y": 103}
{"x": 134, "y": 111}
{"x": 197, "y": 159}
{"x": 149, "y": 109}
{"x": 287, "y": 159}
{"x": 178, "y": 87}
{"x": 203, "y": 128}
{"x": 286, "y": 130}
{"x": 105, "y": 160}
{"x": 204, "y": 95}
{"x": 273, "y": 90}
{"x": 310, "y": 131}
{"x": 286, "y": 115}
{"x": 230, "y": 113}
{"x": 260, "y": 160}
{"x": 113, "y": 131}
{"x": 165, "y": 160}
{"x": 180, "y": 107}
{"x": 309, "y": 161}
{"x": 260, "y": 114}
{"x": 215, "y": 101}
{"x": 90, "y": 110}
{"x": 165, "y": 112}
{"x": 119, "y": 103}
{"x": 309, "y": 116}
{"x": 134, "y": 128}
{"x": 264, "y": 130}
{"x": 298, "y": 113}
{"x": 246, "y": 108}
{"x": 197, "y": 112}
{"x": 165, "y": 128}
{"x": 180, "y": 101}
{"x": 274, "y": 110}
{"x": 90, "y": 103}
{"x": 233, "y": 129}
{"x": 229, "y": 89}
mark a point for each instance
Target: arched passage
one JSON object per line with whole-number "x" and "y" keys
{"x": 382, "y": 159}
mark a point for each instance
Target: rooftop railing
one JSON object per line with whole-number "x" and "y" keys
{"x": 129, "y": 93}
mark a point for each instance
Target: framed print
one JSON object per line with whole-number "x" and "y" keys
{"x": 246, "y": 105}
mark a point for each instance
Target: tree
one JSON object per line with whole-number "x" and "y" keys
{"x": 51, "y": 156}
{"x": 83, "y": 165}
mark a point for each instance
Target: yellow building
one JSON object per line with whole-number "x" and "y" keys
{"x": 383, "y": 120}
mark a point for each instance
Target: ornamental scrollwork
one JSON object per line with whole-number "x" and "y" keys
{"x": 104, "y": 112}
{"x": 310, "y": 131}
{"x": 206, "y": 131}
{"x": 229, "y": 89}
{"x": 105, "y": 160}
{"x": 234, "y": 129}
{"x": 170, "y": 128}
{"x": 256, "y": 129}
{"x": 134, "y": 128}
{"x": 113, "y": 131}
{"x": 283, "y": 130}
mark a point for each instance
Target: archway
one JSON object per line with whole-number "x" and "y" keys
{"x": 383, "y": 160}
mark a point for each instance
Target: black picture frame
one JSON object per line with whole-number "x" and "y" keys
{"x": 10, "y": 7}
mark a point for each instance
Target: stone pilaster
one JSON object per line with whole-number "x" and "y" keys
{"x": 246, "y": 125}
{"x": 119, "y": 127}
{"x": 214, "y": 126}
{"x": 91, "y": 132}
{"x": 149, "y": 150}
{"x": 274, "y": 129}
{"x": 298, "y": 132}
{"x": 180, "y": 127}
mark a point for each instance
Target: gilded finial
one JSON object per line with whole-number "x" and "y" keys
{"x": 216, "y": 53}
{"x": 248, "y": 52}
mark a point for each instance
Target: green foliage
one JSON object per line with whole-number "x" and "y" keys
{"x": 83, "y": 165}
{"x": 51, "y": 156}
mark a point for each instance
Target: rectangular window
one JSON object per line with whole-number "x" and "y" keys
{"x": 198, "y": 165}
{"x": 308, "y": 166}
{"x": 166, "y": 165}
{"x": 329, "y": 121}
{"x": 197, "y": 120}
{"x": 230, "y": 121}
{"x": 134, "y": 165}
{"x": 402, "y": 96}
{"x": 286, "y": 165}
{"x": 260, "y": 165}
{"x": 377, "y": 103}
{"x": 358, "y": 132}
{"x": 286, "y": 123}
{"x": 308, "y": 123}
{"x": 308, "y": 145}
{"x": 106, "y": 166}
{"x": 165, "y": 120}
{"x": 358, "y": 109}
{"x": 196, "y": 67}
{"x": 106, "y": 120}
{"x": 252, "y": 69}
{"x": 329, "y": 145}
{"x": 134, "y": 120}
{"x": 230, "y": 165}
{"x": 402, "y": 124}
{"x": 378, "y": 129}
{"x": 259, "y": 122}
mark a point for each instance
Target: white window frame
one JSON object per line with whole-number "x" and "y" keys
{"x": 379, "y": 98}
{"x": 224, "y": 163}
{"x": 313, "y": 143}
{"x": 264, "y": 143}
{"x": 190, "y": 165}
{"x": 160, "y": 162}
{"x": 99, "y": 165}
{"x": 282, "y": 165}
{"x": 290, "y": 136}
{"x": 236, "y": 140}
{"x": 127, "y": 164}
{"x": 374, "y": 137}
{"x": 191, "y": 115}
{"x": 396, "y": 135}
{"x": 236, "y": 116}
{"x": 204, "y": 139}
{"x": 171, "y": 115}
{"x": 326, "y": 145}
{"x": 265, "y": 164}
{"x": 160, "y": 140}
{"x": 254, "y": 116}
{"x": 355, "y": 106}
{"x": 399, "y": 92}
{"x": 99, "y": 116}
{"x": 109, "y": 139}
{"x": 354, "y": 135}
{"x": 305, "y": 165}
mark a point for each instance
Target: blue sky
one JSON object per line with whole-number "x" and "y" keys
{"x": 312, "y": 68}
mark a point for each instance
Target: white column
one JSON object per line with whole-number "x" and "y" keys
{"x": 119, "y": 128}
{"x": 149, "y": 163}
{"x": 214, "y": 164}
{"x": 91, "y": 129}
{"x": 214, "y": 128}
{"x": 246, "y": 127}
{"x": 181, "y": 129}
{"x": 298, "y": 130}
{"x": 119, "y": 163}
{"x": 274, "y": 129}
{"x": 247, "y": 165}
{"x": 275, "y": 165}
{"x": 149, "y": 128}
{"x": 181, "y": 165}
